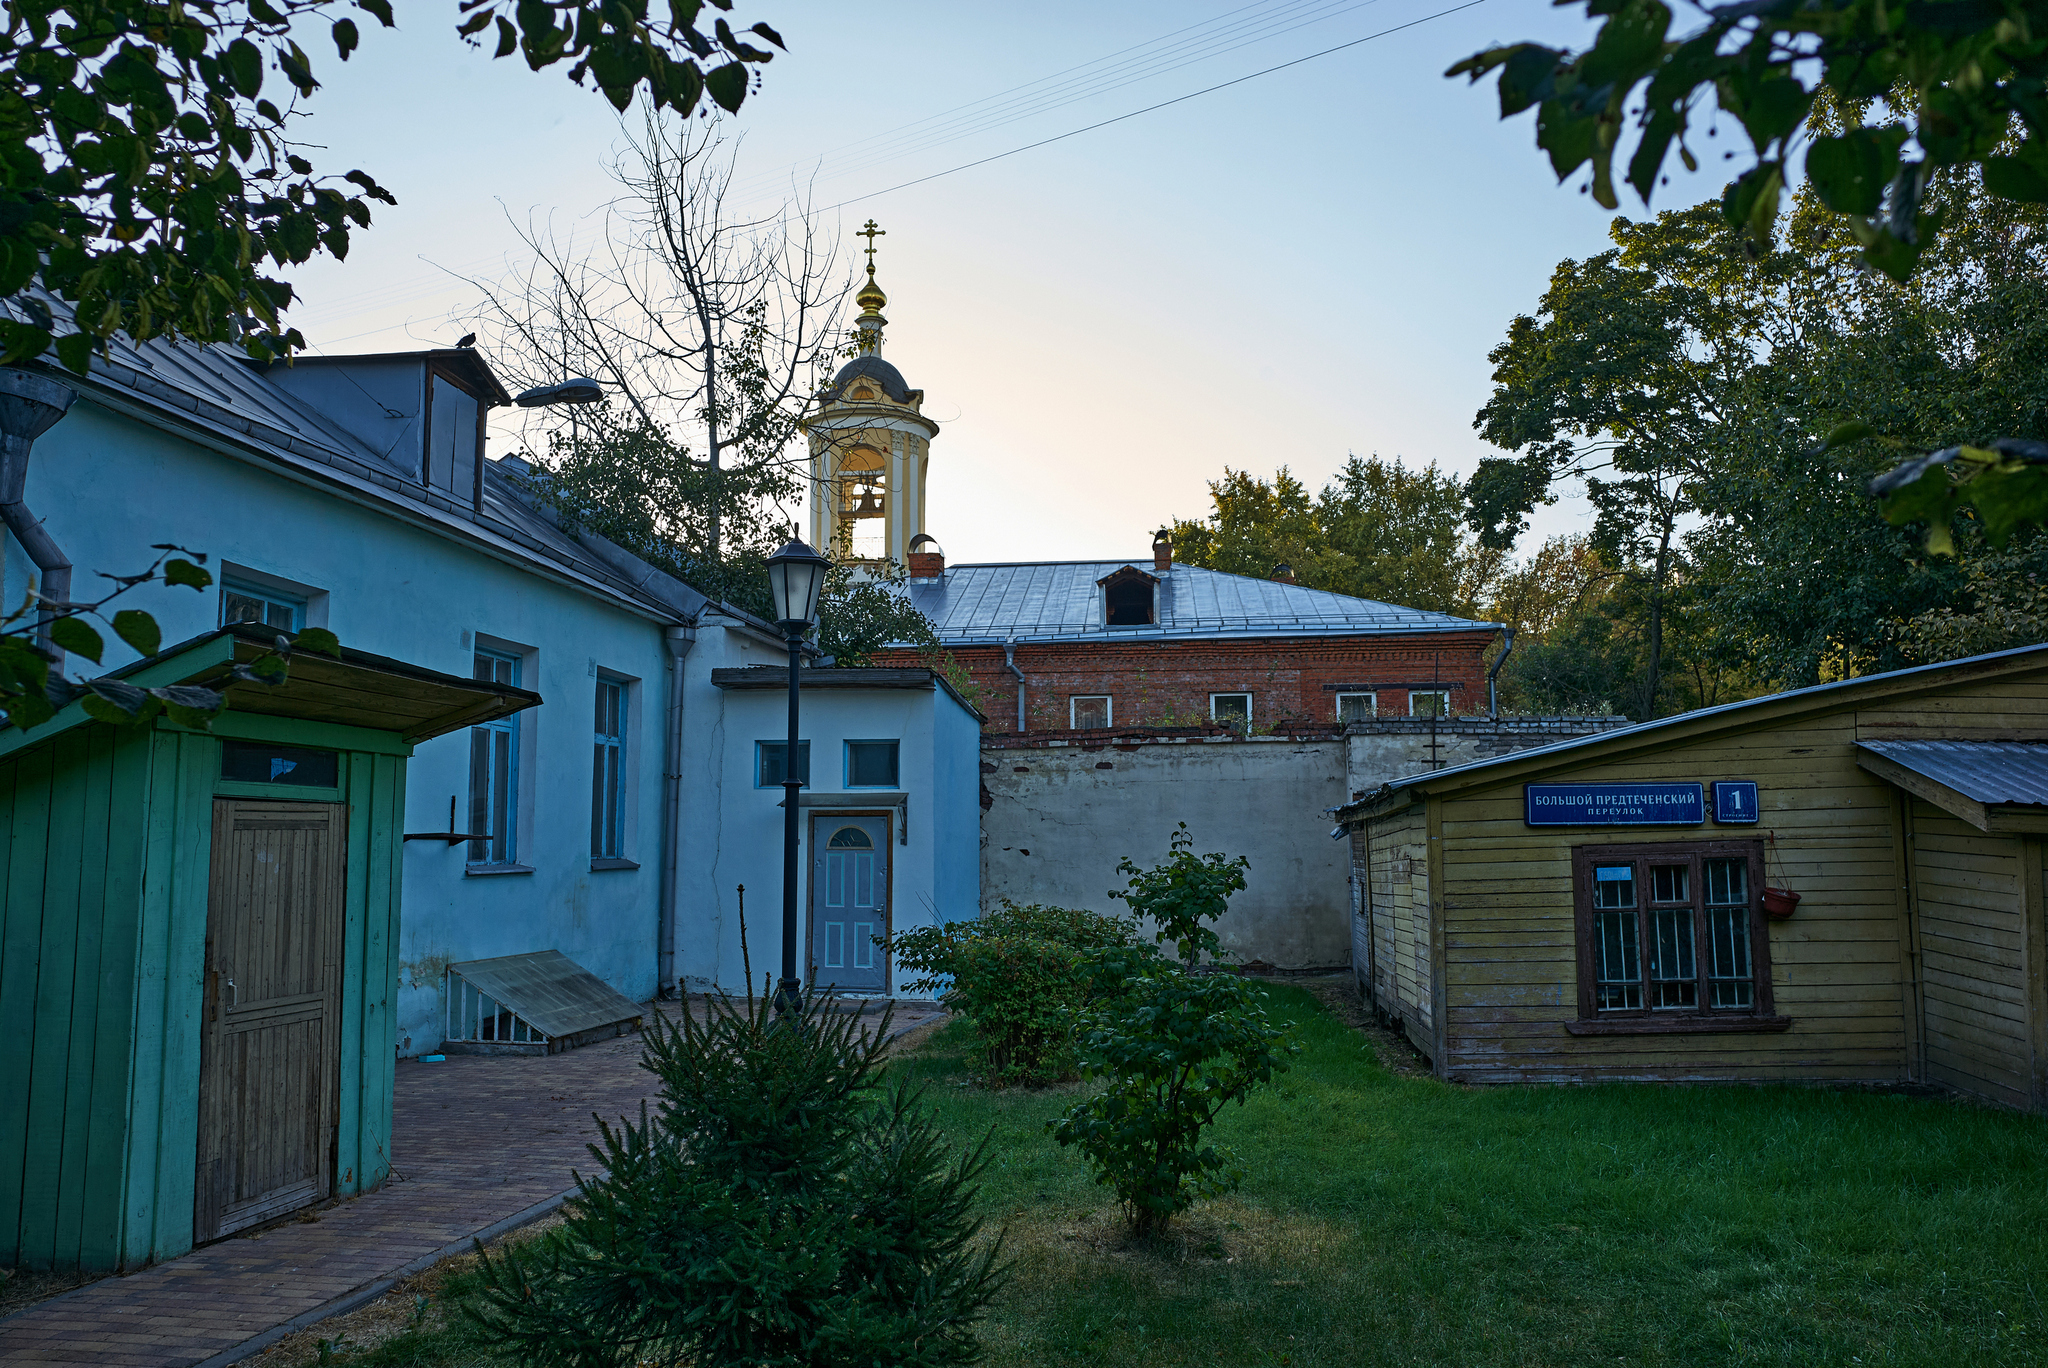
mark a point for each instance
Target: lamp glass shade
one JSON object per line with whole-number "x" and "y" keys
{"x": 796, "y": 576}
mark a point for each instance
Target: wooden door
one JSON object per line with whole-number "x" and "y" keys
{"x": 268, "y": 1046}
{"x": 849, "y": 902}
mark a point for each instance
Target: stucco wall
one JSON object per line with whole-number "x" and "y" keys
{"x": 1386, "y": 749}
{"x": 1063, "y": 815}
{"x": 109, "y": 487}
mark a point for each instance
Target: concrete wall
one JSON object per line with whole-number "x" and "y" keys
{"x": 1063, "y": 811}
{"x": 1062, "y": 815}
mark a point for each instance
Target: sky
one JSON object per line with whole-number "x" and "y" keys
{"x": 1300, "y": 266}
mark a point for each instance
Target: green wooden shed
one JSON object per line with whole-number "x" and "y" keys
{"x": 198, "y": 962}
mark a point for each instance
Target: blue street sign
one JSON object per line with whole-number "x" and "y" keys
{"x": 1735, "y": 800}
{"x": 1618, "y": 803}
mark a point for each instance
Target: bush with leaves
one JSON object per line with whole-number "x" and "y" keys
{"x": 1177, "y": 1047}
{"x": 1018, "y": 975}
{"x": 780, "y": 1206}
{"x": 1183, "y": 891}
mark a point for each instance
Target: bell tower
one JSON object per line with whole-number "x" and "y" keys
{"x": 870, "y": 446}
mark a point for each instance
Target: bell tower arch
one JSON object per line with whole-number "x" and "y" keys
{"x": 870, "y": 447}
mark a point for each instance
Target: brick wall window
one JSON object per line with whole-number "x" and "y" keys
{"x": 1429, "y": 703}
{"x": 1357, "y": 707}
{"x": 1231, "y": 709}
{"x": 1086, "y": 712}
{"x": 1672, "y": 937}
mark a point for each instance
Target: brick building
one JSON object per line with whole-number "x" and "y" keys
{"x": 1097, "y": 645}
{"x": 1089, "y": 645}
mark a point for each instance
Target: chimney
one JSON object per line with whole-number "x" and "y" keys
{"x": 1162, "y": 551}
{"x": 926, "y": 558}
{"x": 1283, "y": 573}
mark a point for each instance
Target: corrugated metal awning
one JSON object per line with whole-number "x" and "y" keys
{"x": 1998, "y": 786}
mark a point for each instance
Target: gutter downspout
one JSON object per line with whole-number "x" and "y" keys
{"x": 1010, "y": 664}
{"x": 1493, "y": 694}
{"x": 679, "y": 639}
{"x": 30, "y": 405}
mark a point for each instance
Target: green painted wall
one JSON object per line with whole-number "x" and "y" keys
{"x": 105, "y": 847}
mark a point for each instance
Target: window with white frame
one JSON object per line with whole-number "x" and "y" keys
{"x": 1357, "y": 707}
{"x": 608, "y": 773}
{"x": 1231, "y": 710}
{"x": 494, "y": 771}
{"x": 872, "y": 764}
{"x": 1089, "y": 712}
{"x": 1429, "y": 703}
{"x": 242, "y": 602}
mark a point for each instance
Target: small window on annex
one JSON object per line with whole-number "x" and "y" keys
{"x": 771, "y": 760}
{"x": 1357, "y": 707}
{"x": 1231, "y": 710}
{"x": 1090, "y": 712}
{"x": 1671, "y": 932}
{"x": 1429, "y": 703}
{"x": 265, "y": 607}
{"x": 257, "y": 762}
{"x": 872, "y": 764}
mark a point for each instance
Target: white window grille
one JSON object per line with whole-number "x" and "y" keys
{"x": 1090, "y": 713}
{"x": 477, "y": 1018}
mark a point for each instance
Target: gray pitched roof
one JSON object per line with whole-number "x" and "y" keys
{"x": 1055, "y": 600}
{"x": 1983, "y": 771}
{"x": 216, "y": 395}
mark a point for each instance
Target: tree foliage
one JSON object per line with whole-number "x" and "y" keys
{"x": 1182, "y": 893}
{"x": 1377, "y": 530}
{"x": 149, "y": 179}
{"x": 780, "y": 1206}
{"x": 1940, "y": 84}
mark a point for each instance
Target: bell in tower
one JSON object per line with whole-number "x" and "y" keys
{"x": 869, "y": 447}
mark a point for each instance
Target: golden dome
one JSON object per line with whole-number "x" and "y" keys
{"x": 871, "y": 299}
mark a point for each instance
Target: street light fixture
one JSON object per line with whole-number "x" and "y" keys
{"x": 796, "y": 575}
{"x": 579, "y": 389}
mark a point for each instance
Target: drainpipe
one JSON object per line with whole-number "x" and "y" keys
{"x": 29, "y": 406}
{"x": 1492, "y": 694}
{"x": 679, "y": 639}
{"x": 1010, "y": 663}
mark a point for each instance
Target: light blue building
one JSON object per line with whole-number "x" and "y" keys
{"x": 613, "y": 823}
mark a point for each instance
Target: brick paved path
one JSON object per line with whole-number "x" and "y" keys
{"x": 480, "y": 1145}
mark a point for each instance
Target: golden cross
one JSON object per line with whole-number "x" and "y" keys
{"x": 870, "y": 232}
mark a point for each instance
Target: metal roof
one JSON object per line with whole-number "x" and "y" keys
{"x": 1982, "y": 771}
{"x": 1053, "y": 600}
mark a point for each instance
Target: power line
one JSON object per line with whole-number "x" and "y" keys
{"x": 1148, "y": 109}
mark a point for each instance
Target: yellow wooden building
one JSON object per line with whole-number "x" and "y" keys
{"x": 1607, "y": 908}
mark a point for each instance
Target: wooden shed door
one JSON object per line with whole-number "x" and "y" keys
{"x": 267, "y": 1059}
{"x": 849, "y": 902}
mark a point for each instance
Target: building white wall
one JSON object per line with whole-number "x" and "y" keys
{"x": 735, "y": 834}
{"x": 109, "y": 486}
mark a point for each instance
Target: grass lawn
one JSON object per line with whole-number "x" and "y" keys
{"x": 1394, "y": 1220}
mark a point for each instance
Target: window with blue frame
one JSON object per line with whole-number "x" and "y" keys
{"x": 771, "y": 759}
{"x": 871, "y": 764}
{"x": 607, "y": 773}
{"x": 494, "y": 772}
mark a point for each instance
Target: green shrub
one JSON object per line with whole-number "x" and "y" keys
{"x": 1176, "y": 1046}
{"x": 1182, "y": 892}
{"x": 779, "y": 1207}
{"x": 1018, "y": 975}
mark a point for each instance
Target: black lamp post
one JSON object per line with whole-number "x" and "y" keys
{"x": 795, "y": 575}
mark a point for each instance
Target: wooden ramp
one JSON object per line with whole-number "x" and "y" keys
{"x": 532, "y": 1004}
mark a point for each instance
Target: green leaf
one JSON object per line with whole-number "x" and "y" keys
{"x": 117, "y": 692}
{"x": 244, "y": 67}
{"x": 139, "y": 630}
{"x": 508, "y": 38}
{"x": 185, "y": 572}
{"x": 346, "y": 39}
{"x": 74, "y": 352}
{"x": 1846, "y": 434}
{"x": 2015, "y": 179}
{"x": 1850, "y": 173}
{"x": 70, "y": 634}
{"x": 728, "y": 86}
{"x": 318, "y": 639}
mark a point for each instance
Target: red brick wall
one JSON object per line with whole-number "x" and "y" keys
{"x": 1169, "y": 682}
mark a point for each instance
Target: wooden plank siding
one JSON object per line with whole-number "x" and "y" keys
{"x": 1397, "y": 901}
{"x": 1970, "y": 890}
{"x": 105, "y": 848}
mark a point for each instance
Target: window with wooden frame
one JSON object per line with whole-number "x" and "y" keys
{"x": 1671, "y": 937}
{"x": 608, "y": 773}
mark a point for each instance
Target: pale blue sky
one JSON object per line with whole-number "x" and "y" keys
{"x": 1302, "y": 265}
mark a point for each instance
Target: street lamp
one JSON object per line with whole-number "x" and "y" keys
{"x": 796, "y": 574}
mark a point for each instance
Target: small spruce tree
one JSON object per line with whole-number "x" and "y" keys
{"x": 781, "y": 1206}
